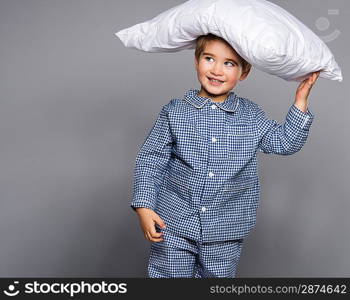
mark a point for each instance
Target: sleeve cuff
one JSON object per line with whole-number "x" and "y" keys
{"x": 145, "y": 204}
{"x": 300, "y": 119}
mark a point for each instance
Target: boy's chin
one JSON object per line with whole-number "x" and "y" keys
{"x": 215, "y": 92}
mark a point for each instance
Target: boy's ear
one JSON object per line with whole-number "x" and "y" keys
{"x": 244, "y": 75}
{"x": 195, "y": 63}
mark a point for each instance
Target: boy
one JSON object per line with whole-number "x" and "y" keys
{"x": 196, "y": 187}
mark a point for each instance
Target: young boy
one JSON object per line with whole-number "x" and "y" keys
{"x": 196, "y": 186}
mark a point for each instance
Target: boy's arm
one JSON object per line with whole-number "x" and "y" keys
{"x": 151, "y": 163}
{"x": 286, "y": 138}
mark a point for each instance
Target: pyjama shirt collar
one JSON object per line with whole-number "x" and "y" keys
{"x": 230, "y": 104}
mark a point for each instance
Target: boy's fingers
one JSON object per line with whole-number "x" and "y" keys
{"x": 160, "y": 222}
{"x": 157, "y": 239}
{"x": 147, "y": 235}
{"x": 317, "y": 74}
{"x": 155, "y": 234}
{"x": 314, "y": 79}
{"x": 154, "y": 238}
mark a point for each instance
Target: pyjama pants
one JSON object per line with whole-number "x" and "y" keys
{"x": 176, "y": 257}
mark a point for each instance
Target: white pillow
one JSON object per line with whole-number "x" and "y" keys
{"x": 264, "y": 34}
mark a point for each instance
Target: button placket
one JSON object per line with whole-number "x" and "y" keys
{"x": 213, "y": 138}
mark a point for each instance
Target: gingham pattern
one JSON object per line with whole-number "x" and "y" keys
{"x": 197, "y": 167}
{"x": 176, "y": 257}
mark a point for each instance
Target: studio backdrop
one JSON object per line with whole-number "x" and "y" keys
{"x": 75, "y": 107}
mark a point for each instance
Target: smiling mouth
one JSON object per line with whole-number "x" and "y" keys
{"x": 215, "y": 80}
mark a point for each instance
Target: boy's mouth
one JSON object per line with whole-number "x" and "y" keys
{"x": 215, "y": 81}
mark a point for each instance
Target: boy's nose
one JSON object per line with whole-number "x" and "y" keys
{"x": 216, "y": 70}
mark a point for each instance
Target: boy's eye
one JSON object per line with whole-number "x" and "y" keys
{"x": 230, "y": 62}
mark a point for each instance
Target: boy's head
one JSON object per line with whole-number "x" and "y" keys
{"x": 216, "y": 59}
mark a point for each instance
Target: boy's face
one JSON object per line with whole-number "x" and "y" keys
{"x": 218, "y": 61}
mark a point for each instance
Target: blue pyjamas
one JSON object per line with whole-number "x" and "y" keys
{"x": 197, "y": 169}
{"x": 177, "y": 256}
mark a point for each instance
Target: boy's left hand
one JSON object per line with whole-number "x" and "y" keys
{"x": 304, "y": 89}
{"x": 305, "y": 86}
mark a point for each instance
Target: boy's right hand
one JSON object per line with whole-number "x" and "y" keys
{"x": 148, "y": 219}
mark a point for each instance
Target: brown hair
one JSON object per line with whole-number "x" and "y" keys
{"x": 202, "y": 40}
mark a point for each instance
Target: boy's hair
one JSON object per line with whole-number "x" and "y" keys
{"x": 202, "y": 40}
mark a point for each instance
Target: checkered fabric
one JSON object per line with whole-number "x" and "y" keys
{"x": 176, "y": 257}
{"x": 197, "y": 167}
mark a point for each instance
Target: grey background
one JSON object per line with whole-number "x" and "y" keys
{"x": 75, "y": 106}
